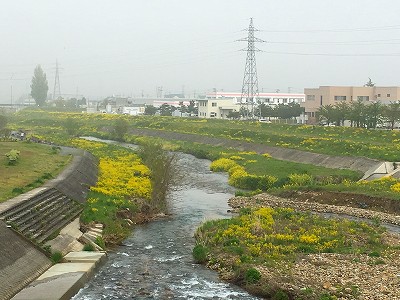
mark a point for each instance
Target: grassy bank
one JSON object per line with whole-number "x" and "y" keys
{"x": 256, "y": 173}
{"x": 259, "y": 248}
{"x": 378, "y": 144}
{"x": 36, "y": 164}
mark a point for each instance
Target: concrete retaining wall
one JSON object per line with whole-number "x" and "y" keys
{"x": 20, "y": 260}
{"x": 361, "y": 164}
{"x": 76, "y": 179}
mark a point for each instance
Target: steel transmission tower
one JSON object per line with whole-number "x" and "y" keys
{"x": 57, "y": 88}
{"x": 250, "y": 80}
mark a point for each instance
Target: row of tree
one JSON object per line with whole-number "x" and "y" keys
{"x": 360, "y": 114}
{"x": 281, "y": 111}
{"x": 167, "y": 110}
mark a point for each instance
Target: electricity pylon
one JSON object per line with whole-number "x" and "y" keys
{"x": 56, "y": 84}
{"x": 250, "y": 81}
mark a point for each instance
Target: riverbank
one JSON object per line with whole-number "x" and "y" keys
{"x": 345, "y": 276}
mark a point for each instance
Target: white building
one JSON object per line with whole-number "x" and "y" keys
{"x": 220, "y": 104}
{"x": 136, "y": 110}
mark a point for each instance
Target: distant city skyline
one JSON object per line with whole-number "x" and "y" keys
{"x": 131, "y": 48}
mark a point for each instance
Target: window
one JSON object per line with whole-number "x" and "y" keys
{"x": 340, "y": 98}
{"x": 310, "y": 97}
{"x": 379, "y": 95}
{"x": 363, "y": 98}
{"x": 213, "y": 114}
{"x": 214, "y": 104}
{"x": 388, "y": 95}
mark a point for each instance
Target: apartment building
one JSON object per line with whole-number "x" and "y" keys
{"x": 325, "y": 95}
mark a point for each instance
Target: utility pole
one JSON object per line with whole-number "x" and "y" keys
{"x": 159, "y": 91}
{"x": 56, "y": 83}
{"x": 250, "y": 80}
{"x": 11, "y": 96}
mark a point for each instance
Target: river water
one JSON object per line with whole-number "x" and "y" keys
{"x": 155, "y": 262}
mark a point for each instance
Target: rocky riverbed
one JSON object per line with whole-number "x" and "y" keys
{"x": 354, "y": 276}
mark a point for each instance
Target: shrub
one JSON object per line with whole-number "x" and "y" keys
{"x": 13, "y": 156}
{"x": 252, "y": 275}
{"x": 200, "y": 253}
{"x": 280, "y": 295}
{"x": 100, "y": 242}
{"x": 56, "y": 257}
{"x": 300, "y": 179}
{"x": 88, "y": 247}
{"x": 222, "y": 165}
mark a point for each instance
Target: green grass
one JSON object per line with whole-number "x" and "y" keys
{"x": 37, "y": 164}
{"x": 378, "y": 144}
{"x": 276, "y": 238}
{"x": 103, "y": 209}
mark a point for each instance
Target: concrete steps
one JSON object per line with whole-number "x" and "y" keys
{"x": 42, "y": 215}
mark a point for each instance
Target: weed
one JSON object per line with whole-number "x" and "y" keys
{"x": 56, "y": 257}
{"x": 280, "y": 295}
{"x": 200, "y": 253}
{"x": 252, "y": 275}
{"x": 88, "y": 247}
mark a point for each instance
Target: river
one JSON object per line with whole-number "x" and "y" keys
{"x": 155, "y": 262}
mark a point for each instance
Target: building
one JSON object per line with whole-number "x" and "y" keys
{"x": 220, "y": 104}
{"x": 330, "y": 95}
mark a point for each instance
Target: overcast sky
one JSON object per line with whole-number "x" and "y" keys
{"x": 130, "y": 47}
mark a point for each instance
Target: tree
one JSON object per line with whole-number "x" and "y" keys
{"x": 71, "y": 126}
{"x": 192, "y": 108}
{"x": 233, "y": 115}
{"x": 150, "y": 110}
{"x": 373, "y": 114}
{"x": 369, "y": 83}
{"x": 39, "y": 86}
{"x": 342, "y": 112}
{"x": 357, "y": 113}
{"x": 3, "y": 122}
{"x": 288, "y": 111}
{"x": 244, "y": 112}
{"x": 121, "y": 128}
{"x": 182, "y": 108}
{"x": 264, "y": 110}
{"x": 166, "y": 109}
{"x": 392, "y": 113}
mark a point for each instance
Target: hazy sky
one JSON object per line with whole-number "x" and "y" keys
{"x": 107, "y": 47}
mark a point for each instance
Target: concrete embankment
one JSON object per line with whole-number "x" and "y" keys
{"x": 361, "y": 164}
{"x": 40, "y": 213}
{"x": 62, "y": 281}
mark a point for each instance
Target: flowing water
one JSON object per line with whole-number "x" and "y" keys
{"x": 156, "y": 262}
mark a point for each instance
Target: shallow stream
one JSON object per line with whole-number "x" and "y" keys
{"x": 156, "y": 262}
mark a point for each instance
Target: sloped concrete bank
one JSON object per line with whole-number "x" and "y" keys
{"x": 21, "y": 261}
{"x": 361, "y": 164}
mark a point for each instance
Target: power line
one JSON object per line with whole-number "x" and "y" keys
{"x": 363, "y": 42}
{"x": 379, "y": 28}
{"x": 335, "y": 54}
